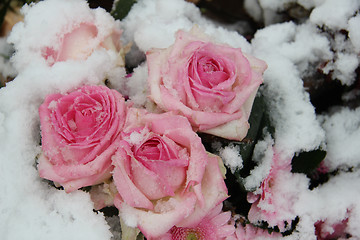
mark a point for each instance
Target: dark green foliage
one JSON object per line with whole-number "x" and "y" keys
{"x": 307, "y": 162}
{"x": 259, "y": 126}
{"x": 122, "y": 8}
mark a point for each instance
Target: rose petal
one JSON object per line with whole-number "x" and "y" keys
{"x": 169, "y": 214}
{"x": 125, "y": 186}
{"x": 213, "y": 189}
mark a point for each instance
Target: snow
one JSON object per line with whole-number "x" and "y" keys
{"x": 334, "y": 201}
{"x": 333, "y": 13}
{"x": 343, "y": 134}
{"x": 263, "y": 156}
{"x": 286, "y": 53}
{"x": 59, "y": 17}
{"x": 6, "y": 69}
{"x": 159, "y": 20}
{"x": 354, "y": 34}
{"x": 137, "y": 85}
{"x": 348, "y": 64}
{"x": 231, "y": 157}
{"x": 31, "y": 209}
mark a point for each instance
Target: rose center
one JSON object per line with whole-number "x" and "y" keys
{"x": 150, "y": 149}
{"x": 210, "y": 71}
{"x": 209, "y": 67}
{"x": 87, "y": 115}
{"x": 181, "y": 233}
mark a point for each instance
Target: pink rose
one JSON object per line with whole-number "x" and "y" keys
{"x": 163, "y": 174}
{"x": 59, "y": 31}
{"x": 80, "y": 132}
{"x": 80, "y": 42}
{"x": 212, "y": 85}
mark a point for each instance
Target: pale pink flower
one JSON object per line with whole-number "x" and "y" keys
{"x": 273, "y": 201}
{"x": 163, "y": 174}
{"x": 59, "y": 30}
{"x": 80, "y": 42}
{"x": 80, "y": 132}
{"x": 212, "y": 85}
{"x": 217, "y": 225}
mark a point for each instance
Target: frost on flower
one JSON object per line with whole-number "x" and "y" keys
{"x": 56, "y": 31}
{"x": 273, "y": 201}
{"x": 342, "y": 136}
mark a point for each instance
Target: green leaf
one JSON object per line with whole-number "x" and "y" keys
{"x": 258, "y": 121}
{"x": 306, "y": 162}
{"x": 259, "y": 125}
{"x": 122, "y": 8}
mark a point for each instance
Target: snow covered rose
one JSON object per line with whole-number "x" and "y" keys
{"x": 80, "y": 42}
{"x": 61, "y": 30}
{"x": 80, "y": 132}
{"x": 274, "y": 200}
{"x": 163, "y": 174}
{"x": 212, "y": 85}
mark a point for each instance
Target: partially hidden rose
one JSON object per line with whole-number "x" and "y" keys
{"x": 59, "y": 31}
{"x": 80, "y": 131}
{"x": 212, "y": 85}
{"x": 77, "y": 38}
{"x": 163, "y": 175}
{"x": 80, "y": 42}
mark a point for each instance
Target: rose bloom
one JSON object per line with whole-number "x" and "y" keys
{"x": 59, "y": 31}
{"x": 80, "y": 132}
{"x": 78, "y": 37}
{"x": 212, "y": 85}
{"x": 80, "y": 42}
{"x": 163, "y": 174}
{"x": 216, "y": 225}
